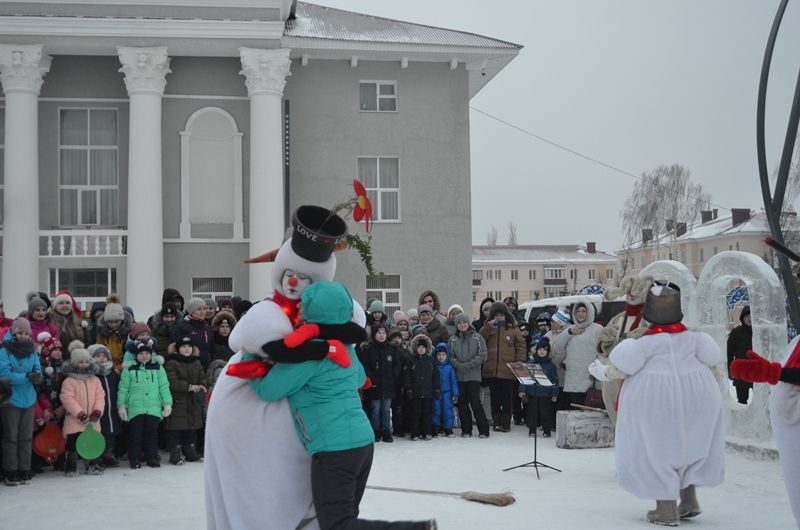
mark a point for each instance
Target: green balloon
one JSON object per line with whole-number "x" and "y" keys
{"x": 90, "y": 444}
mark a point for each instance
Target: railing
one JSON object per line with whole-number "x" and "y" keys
{"x": 83, "y": 242}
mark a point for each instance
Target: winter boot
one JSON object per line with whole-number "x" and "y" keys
{"x": 153, "y": 462}
{"x": 175, "y": 456}
{"x": 12, "y": 478}
{"x": 108, "y": 460}
{"x": 378, "y": 435}
{"x": 666, "y": 513}
{"x": 689, "y": 507}
{"x": 505, "y": 422}
{"x": 387, "y": 437}
{"x": 71, "y": 464}
{"x": 436, "y": 431}
{"x": 93, "y": 467}
{"x": 449, "y": 433}
{"x": 25, "y": 477}
{"x": 496, "y": 423}
{"x": 431, "y": 525}
{"x": 191, "y": 454}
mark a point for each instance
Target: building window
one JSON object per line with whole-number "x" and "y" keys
{"x": 381, "y": 178}
{"x": 385, "y": 288}
{"x": 715, "y": 251}
{"x": 572, "y": 274}
{"x": 474, "y": 296}
{"x": 553, "y": 274}
{"x": 592, "y": 274}
{"x": 609, "y": 274}
{"x": 531, "y": 274}
{"x": 88, "y": 167}
{"x": 477, "y": 277}
{"x": 552, "y": 292}
{"x": 490, "y": 274}
{"x": 515, "y": 295}
{"x": 737, "y": 245}
{"x": 498, "y": 275}
{"x": 86, "y": 285}
{"x": 378, "y": 96}
{"x": 498, "y": 295}
{"x": 515, "y": 275}
{"x": 641, "y": 262}
{"x": 683, "y": 257}
{"x": 2, "y": 159}
{"x": 702, "y": 256}
{"x": 218, "y": 288}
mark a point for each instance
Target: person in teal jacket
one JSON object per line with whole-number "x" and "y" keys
{"x": 329, "y": 417}
{"x": 19, "y": 362}
{"x": 143, "y": 398}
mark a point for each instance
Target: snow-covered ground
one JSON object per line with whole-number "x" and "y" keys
{"x": 584, "y": 495}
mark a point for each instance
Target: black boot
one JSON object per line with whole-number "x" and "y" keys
{"x": 496, "y": 423}
{"x": 387, "y": 437}
{"x": 71, "y": 464}
{"x": 175, "y": 456}
{"x": 12, "y": 478}
{"x": 191, "y": 454}
{"x": 505, "y": 422}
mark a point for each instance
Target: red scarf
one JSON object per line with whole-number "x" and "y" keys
{"x": 289, "y": 307}
{"x": 632, "y": 310}
{"x": 794, "y": 358}
{"x": 665, "y": 328}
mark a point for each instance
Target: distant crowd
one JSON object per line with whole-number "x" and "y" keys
{"x": 145, "y": 385}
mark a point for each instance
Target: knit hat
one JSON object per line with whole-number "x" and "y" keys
{"x": 399, "y": 316}
{"x": 225, "y": 303}
{"x": 375, "y": 306}
{"x": 562, "y": 317}
{"x": 194, "y": 304}
{"x": 98, "y": 349}
{"x": 79, "y": 354}
{"x": 21, "y": 325}
{"x": 35, "y": 303}
{"x": 462, "y": 317}
{"x": 412, "y": 313}
{"x": 544, "y": 342}
{"x": 394, "y": 332}
{"x": 169, "y": 310}
{"x": 454, "y": 306}
{"x": 377, "y": 327}
{"x": 183, "y": 341}
{"x": 143, "y": 346}
{"x": 441, "y": 347}
{"x": 424, "y": 307}
{"x": 48, "y": 344}
{"x": 113, "y": 312}
{"x": 138, "y": 329}
{"x": 210, "y": 302}
{"x": 419, "y": 329}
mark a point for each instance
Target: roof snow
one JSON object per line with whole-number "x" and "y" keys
{"x": 542, "y": 254}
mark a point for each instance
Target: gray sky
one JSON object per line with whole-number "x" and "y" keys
{"x": 630, "y": 82}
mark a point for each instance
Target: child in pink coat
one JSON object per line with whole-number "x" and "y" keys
{"x": 83, "y": 398}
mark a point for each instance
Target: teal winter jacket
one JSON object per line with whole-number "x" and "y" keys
{"x": 144, "y": 389}
{"x": 16, "y": 368}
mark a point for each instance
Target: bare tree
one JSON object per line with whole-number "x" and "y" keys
{"x": 491, "y": 237}
{"x": 663, "y": 199}
{"x": 512, "y": 233}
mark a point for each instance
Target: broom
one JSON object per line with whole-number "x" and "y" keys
{"x": 496, "y": 499}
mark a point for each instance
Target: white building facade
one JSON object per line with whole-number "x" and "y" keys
{"x": 158, "y": 143}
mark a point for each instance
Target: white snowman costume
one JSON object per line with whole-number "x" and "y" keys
{"x": 257, "y": 472}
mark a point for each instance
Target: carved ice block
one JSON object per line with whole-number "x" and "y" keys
{"x": 578, "y": 429}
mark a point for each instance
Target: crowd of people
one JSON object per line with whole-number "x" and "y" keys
{"x": 145, "y": 385}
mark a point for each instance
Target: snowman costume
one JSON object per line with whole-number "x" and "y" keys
{"x": 257, "y": 472}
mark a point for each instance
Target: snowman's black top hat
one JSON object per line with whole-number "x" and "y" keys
{"x": 316, "y": 232}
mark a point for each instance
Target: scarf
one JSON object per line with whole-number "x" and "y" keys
{"x": 666, "y": 328}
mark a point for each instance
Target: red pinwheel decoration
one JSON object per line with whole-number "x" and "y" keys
{"x": 363, "y": 207}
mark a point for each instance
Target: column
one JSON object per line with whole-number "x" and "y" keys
{"x": 145, "y": 70}
{"x": 265, "y": 72}
{"x": 22, "y": 68}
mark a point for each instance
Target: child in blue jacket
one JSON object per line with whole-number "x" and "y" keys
{"x": 448, "y": 396}
{"x": 19, "y": 362}
{"x": 541, "y": 398}
{"x": 328, "y": 414}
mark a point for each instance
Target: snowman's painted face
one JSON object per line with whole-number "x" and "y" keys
{"x": 293, "y": 283}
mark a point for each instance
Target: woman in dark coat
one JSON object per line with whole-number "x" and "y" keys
{"x": 187, "y": 384}
{"x": 740, "y": 341}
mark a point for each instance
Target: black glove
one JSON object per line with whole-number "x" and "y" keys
{"x": 410, "y": 394}
{"x": 455, "y": 400}
{"x": 35, "y": 378}
{"x": 437, "y": 394}
{"x": 95, "y": 415}
{"x": 83, "y": 417}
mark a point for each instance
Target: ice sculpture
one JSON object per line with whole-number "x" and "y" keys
{"x": 768, "y": 315}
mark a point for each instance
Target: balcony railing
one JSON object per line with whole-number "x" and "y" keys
{"x": 83, "y": 243}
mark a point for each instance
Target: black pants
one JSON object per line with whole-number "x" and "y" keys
{"x": 143, "y": 434}
{"x": 338, "y": 479}
{"x": 502, "y": 392}
{"x": 421, "y": 414}
{"x": 17, "y": 437}
{"x": 184, "y": 437}
{"x": 540, "y": 409}
{"x": 520, "y": 408}
{"x": 399, "y": 413}
{"x": 469, "y": 403}
{"x": 742, "y": 390}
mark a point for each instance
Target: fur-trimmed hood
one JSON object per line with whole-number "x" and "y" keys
{"x": 221, "y": 315}
{"x": 70, "y": 370}
{"x": 421, "y": 338}
{"x": 591, "y": 313}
